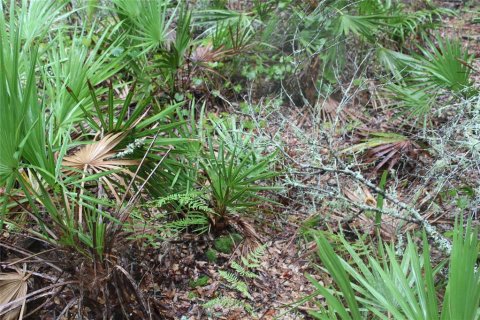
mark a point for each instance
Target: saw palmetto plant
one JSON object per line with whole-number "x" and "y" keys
{"x": 234, "y": 169}
{"x": 149, "y": 21}
{"x": 407, "y": 286}
{"x": 444, "y": 65}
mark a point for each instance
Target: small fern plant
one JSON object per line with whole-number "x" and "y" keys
{"x": 191, "y": 200}
{"x": 244, "y": 269}
{"x": 170, "y": 216}
{"x": 191, "y": 206}
{"x": 228, "y": 303}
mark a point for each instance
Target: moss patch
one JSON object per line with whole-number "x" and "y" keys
{"x": 225, "y": 244}
{"x": 211, "y": 255}
{"x": 202, "y": 281}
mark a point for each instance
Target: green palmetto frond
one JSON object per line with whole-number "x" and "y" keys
{"x": 402, "y": 287}
{"x": 365, "y": 26}
{"x": 149, "y": 22}
{"x": 21, "y": 120}
{"x": 38, "y": 18}
{"x": 414, "y": 101}
{"x": 396, "y": 62}
{"x": 72, "y": 67}
{"x": 446, "y": 65}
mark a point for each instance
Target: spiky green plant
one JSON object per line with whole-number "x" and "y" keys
{"x": 234, "y": 167}
{"x": 402, "y": 287}
{"x": 22, "y": 121}
{"x": 71, "y": 65}
{"x": 445, "y": 64}
{"x": 149, "y": 22}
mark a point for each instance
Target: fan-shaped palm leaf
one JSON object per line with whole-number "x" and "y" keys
{"x": 13, "y": 286}
{"x": 386, "y": 148}
{"x": 98, "y": 157}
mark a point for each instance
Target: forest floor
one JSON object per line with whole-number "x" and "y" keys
{"x": 180, "y": 276}
{"x": 281, "y": 282}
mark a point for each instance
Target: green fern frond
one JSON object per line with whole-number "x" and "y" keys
{"x": 198, "y": 221}
{"x": 235, "y": 284}
{"x": 228, "y": 303}
{"x": 254, "y": 257}
{"x": 191, "y": 200}
{"x": 242, "y": 271}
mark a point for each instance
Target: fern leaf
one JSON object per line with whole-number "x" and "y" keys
{"x": 228, "y": 303}
{"x": 254, "y": 257}
{"x": 234, "y": 283}
{"x": 242, "y": 271}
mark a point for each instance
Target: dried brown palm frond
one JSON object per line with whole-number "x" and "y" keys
{"x": 386, "y": 149}
{"x": 98, "y": 157}
{"x": 206, "y": 53}
{"x": 365, "y": 221}
{"x": 330, "y": 110}
{"x": 13, "y": 286}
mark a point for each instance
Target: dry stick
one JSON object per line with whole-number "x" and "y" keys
{"x": 442, "y": 243}
{"x": 56, "y": 293}
{"x": 363, "y": 207}
{"x": 33, "y": 273}
{"x": 120, "y": 213}
{"x": 67, "y": 307}
{"x": 135, "y": 197}
{"x": 30, "y": 255}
